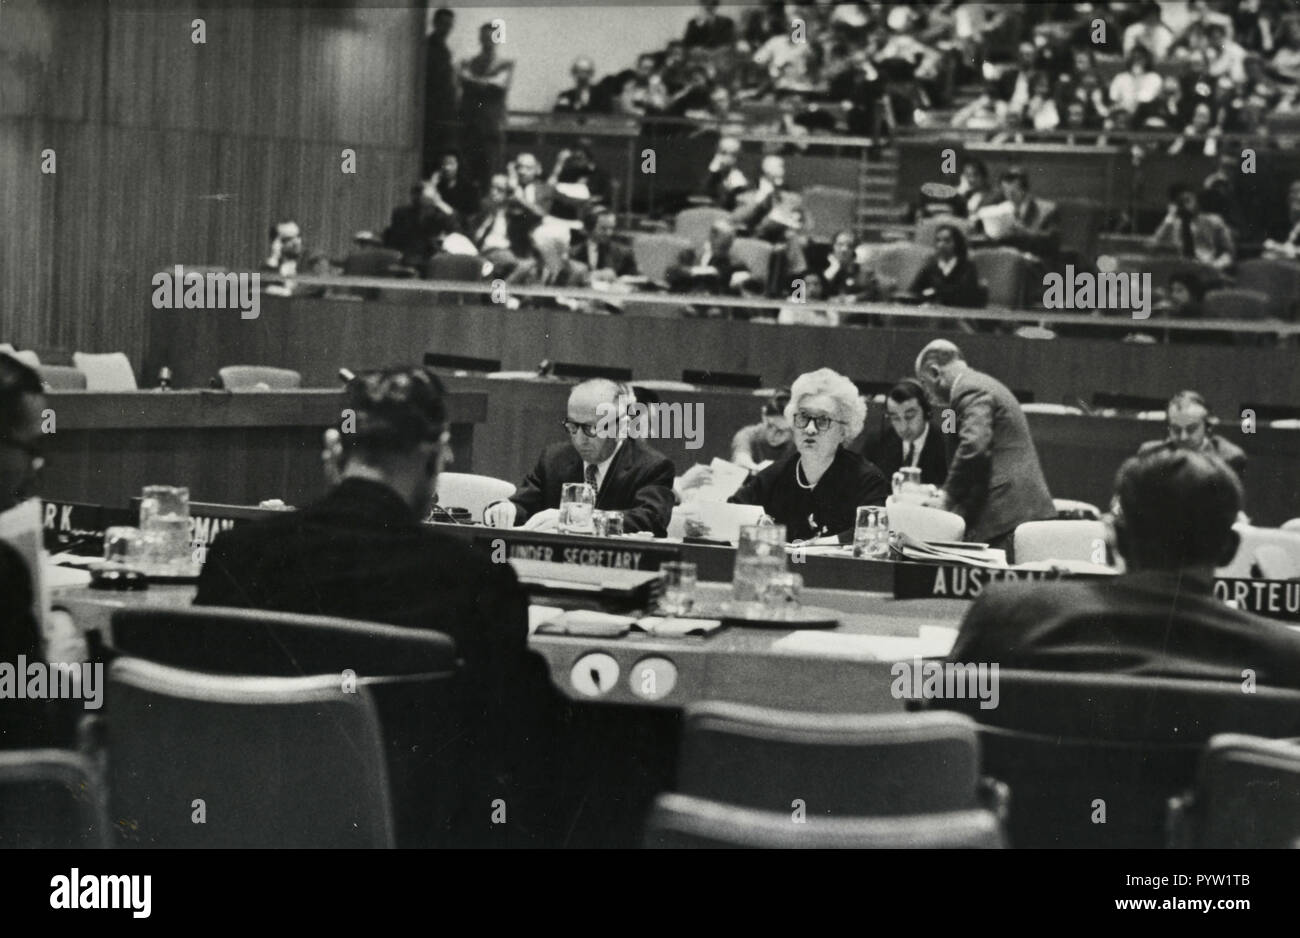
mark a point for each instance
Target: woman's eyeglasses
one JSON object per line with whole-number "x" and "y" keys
{"x": 823, "y": 423}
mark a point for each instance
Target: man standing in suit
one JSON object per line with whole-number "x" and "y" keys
{"x": 627, "y": 475}
{"x": 362, "y": 552}
{"x": 1188, "y": 421}
{"x": 912, "y": 437}
{"x": 994, "y": 480}
{"x": 1173, "y": 527}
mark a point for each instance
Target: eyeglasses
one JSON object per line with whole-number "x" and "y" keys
{"x": 572, "y": 427}
{"x": 823, "y": 423}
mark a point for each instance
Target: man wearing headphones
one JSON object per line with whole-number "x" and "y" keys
{"x": 911, "y": 437}
{"x": 1191, "y": 427}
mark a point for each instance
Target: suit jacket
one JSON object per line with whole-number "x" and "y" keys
{"x": 720, "y": 31}
{"x": 830, "y": 507}
{"x": 414, "y": 230}
{"x": 361, "y": 552}
{"x": 680, "y": 279}
{"x": 1211, "y": 239}
{"x": 638, "y": 482}
{"x": 610, "y": 256}
{"x": 1151, "y": 623}
{"x": 959, "y": 287}
{"x": 570, "y": 101}
{"x": 887, "y": 454}
{"x": 994, "y": 479}
{"x": 1226, "y": 450}
{"x": 27, "y": 723}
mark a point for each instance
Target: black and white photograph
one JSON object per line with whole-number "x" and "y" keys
{"x": 581, "y": 426}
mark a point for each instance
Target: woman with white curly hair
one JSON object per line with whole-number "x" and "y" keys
{"x": 816, "y": 490}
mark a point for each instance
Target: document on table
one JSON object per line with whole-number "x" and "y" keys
{"x": 931, "y": 641}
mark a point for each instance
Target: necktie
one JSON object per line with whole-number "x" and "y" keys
{"x": 911, "y": 454}
{"x": 1189, "y": 244}
{"x": 591, "y": 478}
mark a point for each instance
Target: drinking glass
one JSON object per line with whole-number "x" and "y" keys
{"x": 679, "y": 578}
{"x": 165, "y": 527}
{"x": 577, "y": 503}
{"x": 607, "y": 523}
{"x": 124, "y": 546}
{"x": 760, "y": 555}
{"x": 907, "y": 480}
{"x": 871, "y": 532}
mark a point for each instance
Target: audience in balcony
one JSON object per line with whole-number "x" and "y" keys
{"x": 596, "y": 248}
{"x": 1193, "y": 233}
{"x": 585, "y": 97}
{"x": 1137, "y": 85}
{"x": 844, "y": 278}
{"x": 712, "y": 268}
{"x": 949, "y": 277}
{"x": 1021, "y": 220}
{"x": 725, "y": 182}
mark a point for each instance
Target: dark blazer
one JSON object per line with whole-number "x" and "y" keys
{"x": 414, "y": 230}
{"x": 680, "y": 279}
{"x": 639, "y": 482}
{"x": 610, "y": 256}
{"x": 720, "y": 31}
{"x": 831, "y": 505}
{"x": 994, "y": 479}
{"x": 462, "y": 195}
{"x": 27, "y": 723}
{"x": 1226, "y": 450}
{"x": 960, "y": 287}
{"x": 887, "y": 454}
{"x": 1148, "y": 623}
{"x": 570, "y": 101}
{"x": 360, "y": 552}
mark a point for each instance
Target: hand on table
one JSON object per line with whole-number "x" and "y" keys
{"x": 501, "y": 515}
{"x": 546, "y": 520}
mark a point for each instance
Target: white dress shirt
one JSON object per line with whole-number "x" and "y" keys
{"x": 917, "y": 445}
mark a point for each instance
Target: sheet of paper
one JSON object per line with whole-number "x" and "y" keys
{"x": 538, "y": 614}
{"x": 931, "y": 641}
{"x": 673, "y": 627}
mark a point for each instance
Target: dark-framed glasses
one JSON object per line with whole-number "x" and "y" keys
{"x": 821, "y": 422}
{"x": 572, "y": 426}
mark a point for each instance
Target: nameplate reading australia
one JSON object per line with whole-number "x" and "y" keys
{"x": 1276, "y": 599}
{"x": 615, "y": 552}
{"x": 942, "y": 581}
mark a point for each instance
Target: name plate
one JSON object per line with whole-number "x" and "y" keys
{"x": 948, "y": 581}
{"x": 613, "y": 552}
{"x": 1276, "y": 599}
{"x": 79, "y": 526}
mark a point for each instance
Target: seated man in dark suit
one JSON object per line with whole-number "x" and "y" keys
{"x": 1034, "y": 224}
{"x": 1173, "y": 527}
{"x": 363, "y": 552}
{"x": 417, "y": 227}
{"x": 1188, "y": 422}
{"x": 24, "y": 723}
{"x": 596, "y": 248}
{"x": 713, "y": 269}
{"x": 627, "y": 475}
{"x": 912, "y": 437}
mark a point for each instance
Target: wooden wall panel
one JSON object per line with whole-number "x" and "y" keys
{"x": 175, "y": 153}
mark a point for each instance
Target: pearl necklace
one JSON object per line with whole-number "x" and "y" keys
{"x": 797, "y": 467}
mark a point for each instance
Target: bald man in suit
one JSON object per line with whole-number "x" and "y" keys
{"x": 994, "y": 480}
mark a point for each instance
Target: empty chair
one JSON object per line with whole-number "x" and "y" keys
{"x": 682, "y": 822}
{"x": 1009, "y": 274}
{"x": 1060, "y": 540}
{"x": 924, "y": 523}
{"x": 655, "y": 253}
{"x": 259, "y": 378}
{"x": 61, "y": 378}
{"x": 1069, "y": 509}
{"x": 1072, "y": 745}
{"x": 719, "y": 521}
{"x": 755, "y": 254}
{"x": 829, "y": 210}
{"x": 837, "y": 764}
{"x": 109, "y": 371}
{"x": 1247, "y": 796}
{"x": 897, "y": 264}
{"x": 693, "y": 224}
{"x": 1278, "y": 280}
{"x": 277, "y": 762}
{"x": 1271, "y": 553}
{"x": 1245, "y": 305}
{"x": 460, "y": 268}
{"x": 471, "y": 492}
{"x": 51, "y": 799}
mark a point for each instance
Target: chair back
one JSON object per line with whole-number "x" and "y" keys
{"x": 51, "y": 799}
{"x": 371, "y": 262}
{"x": 693, "y": 224}
{"x": 654, "y": 253}
{"x": 205, "y": 760}
{"x": 755, "y": 254}
{"x": 681, "y": 822}
{"x": 471, "y": 492}
{"x": 1278, "y": 280}
{"x": 1060, "y": 540}
{"x": 829, "y": 210}
{"x": 1246, "y": 305}
{"x": 926, "y": 228}
{"x": 1009, "y": 274}
{"x": 836, "y": 764}
{"x": 1079, "y": 748}
{"x": 924, "y": 523}
{"x": 259, "y": 378}
{"x": 459, "y": 268}
{"x": 110, "y": 371}
{"x": 1273, "y": 552}
{"x": 26, "y": 356}
{"x": 61, "y": 378}
{"x": 1247, "y": 794}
